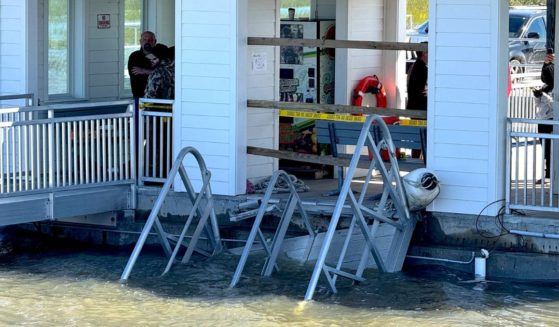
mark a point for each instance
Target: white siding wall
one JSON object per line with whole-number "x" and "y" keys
{"x": 211, "y": 89}
{"x": 364, "y": 19}
{"x": 394, "y": 75}
{"x": 467, "y": 101}
{"x": 13, "y": 55}
{"x": 262, "y": 123}
{"x": 103, "y": 55}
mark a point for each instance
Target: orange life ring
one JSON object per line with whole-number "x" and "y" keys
{"x": 370, "y": 84}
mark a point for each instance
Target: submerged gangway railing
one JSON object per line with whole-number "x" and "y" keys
{"x": 392, "y": 209}
{"x": 66, "y": 146}
{"x": 155, "y": 129}
{"x": 527, "y": 187}
{"x": 202, "y": 209}
{"x": 273, "y": 247}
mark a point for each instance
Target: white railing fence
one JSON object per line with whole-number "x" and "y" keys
{"x": 526, "y": 185}
{"x": 71, "y": 146}
{"x": 155, "y": 139}
{"x": 521, "y": 73}
{"x": 17, "y": 100}
{"x": 522, "y": 105}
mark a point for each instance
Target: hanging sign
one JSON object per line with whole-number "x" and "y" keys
{"x": 259, "y": 62}
{"x": 103, "y": 21}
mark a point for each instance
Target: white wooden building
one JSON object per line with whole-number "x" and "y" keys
{"x": 215, "y": 78}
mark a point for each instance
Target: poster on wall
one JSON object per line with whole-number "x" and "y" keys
{"x": 103, "y": 21}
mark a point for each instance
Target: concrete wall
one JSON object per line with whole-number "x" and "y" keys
{"x": 211, "y": 81}
{"x": 467, "y": 102}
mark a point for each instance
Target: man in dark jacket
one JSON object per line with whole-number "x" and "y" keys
{"x": 140, "y": 66}
{"x": 417, "y": 87}
{"x": 417, "y": 83}
{"x": 140, "y": 62}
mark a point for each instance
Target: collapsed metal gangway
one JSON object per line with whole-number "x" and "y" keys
{"x": 367, "y": 217}
{"x": 202, "y": 209}
{"x": 273, "y": 248}
{"x": 392, "y": 209}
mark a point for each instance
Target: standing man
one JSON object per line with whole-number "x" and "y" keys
{"x": 547, "y": 77}
{"x": 140, "y": 62}
{"x": 417, "y": 87}
{"x": 417, "y": 83}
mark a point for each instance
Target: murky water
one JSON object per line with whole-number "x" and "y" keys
{"x": 52, "y": 285}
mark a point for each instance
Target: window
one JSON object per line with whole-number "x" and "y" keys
{"x": 58, "y": 47}
{"x": 516, "y": 23}
{"x": 132, "y": 33}
{"x": 538, "y": 26}
{"x": 302, "y": 9}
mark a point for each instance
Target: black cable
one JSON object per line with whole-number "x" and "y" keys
{"x": 498, "y": 221}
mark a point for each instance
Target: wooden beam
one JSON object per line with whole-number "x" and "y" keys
{"x": 304, "y": 157}
{"x": 320, "y": 43}
{"x": 336, "y": 108}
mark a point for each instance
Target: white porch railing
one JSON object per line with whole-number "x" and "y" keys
{"x": 522, "y": 105}
{"x": 16, "y": 100}
{"x": 526, "y": 187}
{"x": 155, "y": 135}
{"x": 66, "y": 146}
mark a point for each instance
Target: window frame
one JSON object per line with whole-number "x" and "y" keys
{"x": 77, "y": 44}
{"x": 126, "y": 92}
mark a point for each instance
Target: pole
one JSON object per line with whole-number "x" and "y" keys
{"x": 550, "y": 42}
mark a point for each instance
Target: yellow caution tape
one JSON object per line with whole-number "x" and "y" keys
{"x": 413, "y": 122}
{"x": 322, "y": 116}
{"x": 144, "y": 105}
{"x": 343, "y": 117}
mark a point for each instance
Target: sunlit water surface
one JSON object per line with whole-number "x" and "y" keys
{"x": 50, "y": 284}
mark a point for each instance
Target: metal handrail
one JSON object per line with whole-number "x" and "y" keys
{"x": 203, "y": 207}
{"x": 155, "y": 129}
{"x": 30, "y": 97}
{"x": 526, "y": 187}
{"x": 393, "y": 196}
{"x": 59, "y": 153}
{"x": 273, "y": 249}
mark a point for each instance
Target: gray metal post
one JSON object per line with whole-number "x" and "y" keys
{"x": 337, "y": 211}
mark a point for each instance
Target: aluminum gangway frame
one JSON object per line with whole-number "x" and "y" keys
{"x": 391, "y": 209}
{"x": 273, "y": 248}
{"x": 202, "y": 207}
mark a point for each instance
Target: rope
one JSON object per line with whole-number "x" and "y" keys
{"x": 281, "y": 185}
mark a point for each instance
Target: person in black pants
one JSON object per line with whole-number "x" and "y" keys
{"x": 417, "y": 87}
{"x": 547, "y": 77}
